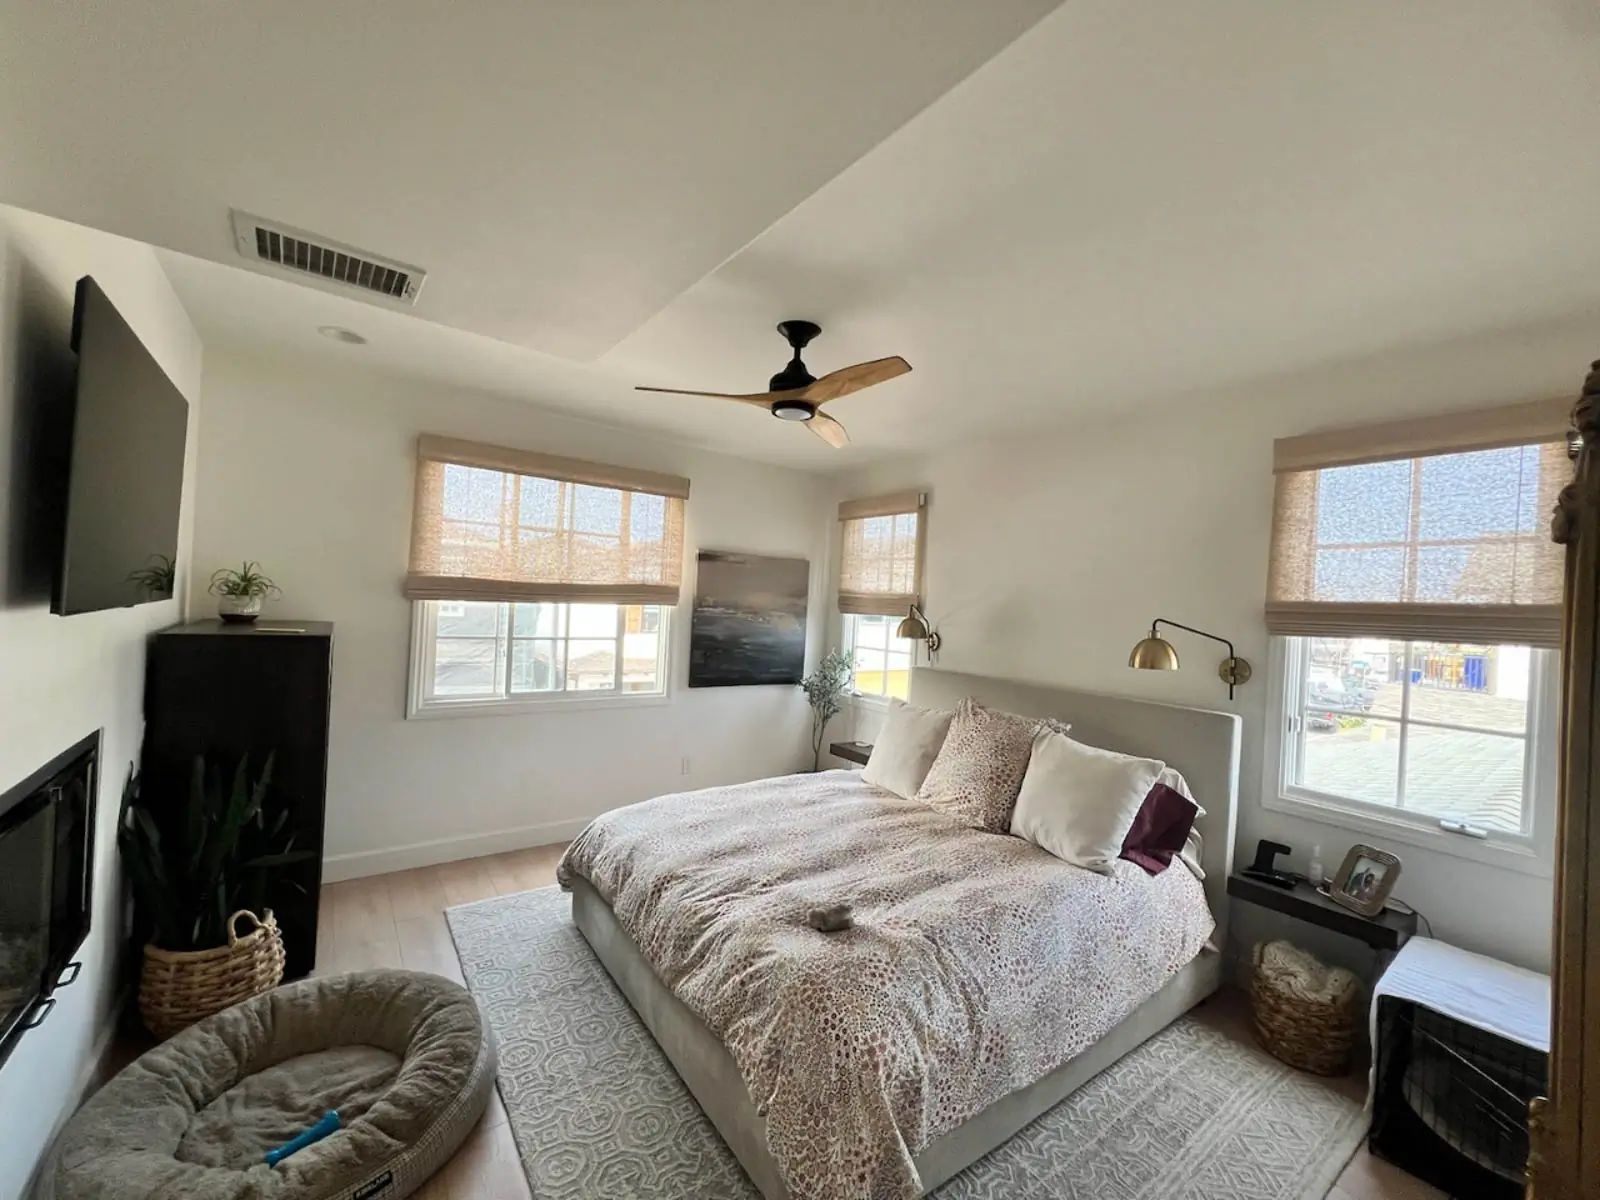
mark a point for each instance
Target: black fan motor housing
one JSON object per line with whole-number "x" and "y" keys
{"x": 798, "y": 334}
{"x": 793, "y": 376}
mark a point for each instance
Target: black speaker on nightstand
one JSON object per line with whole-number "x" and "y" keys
{"x": 225, "y": 690}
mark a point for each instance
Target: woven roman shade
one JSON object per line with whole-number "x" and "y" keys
{"x": 880, "y": 567}
{"x": 511, "y": 525}
{"x": 1424, "y": 530}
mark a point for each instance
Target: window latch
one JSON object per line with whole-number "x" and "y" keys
{"x": 1464, "y": 828}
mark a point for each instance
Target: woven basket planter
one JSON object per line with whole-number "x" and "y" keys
{"x": 176, "y": 989}
{"x": 1305, "y": 1013}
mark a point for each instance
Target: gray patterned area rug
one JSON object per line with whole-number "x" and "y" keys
{"x": 597, "y": 1111}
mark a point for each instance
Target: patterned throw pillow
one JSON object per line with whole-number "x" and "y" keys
{"x": 979, "y": 770}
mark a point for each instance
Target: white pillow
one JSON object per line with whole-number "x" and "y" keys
{"x": 905, "y": 748}
{"x": 1078, "y": 802}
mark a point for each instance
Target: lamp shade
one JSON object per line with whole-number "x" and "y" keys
{"x": 1154, "y": 654}
{"x": 914, "y": 626}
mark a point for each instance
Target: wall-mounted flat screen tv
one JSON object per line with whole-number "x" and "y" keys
{"x": 125, "y": 483}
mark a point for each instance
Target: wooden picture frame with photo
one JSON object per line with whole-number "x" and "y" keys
{"x": 1365, "y": 879}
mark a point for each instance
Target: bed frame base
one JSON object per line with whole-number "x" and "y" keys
{"x": 712, "y": 1077}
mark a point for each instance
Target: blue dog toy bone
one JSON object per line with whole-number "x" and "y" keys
{"x": 328, "y": 1124}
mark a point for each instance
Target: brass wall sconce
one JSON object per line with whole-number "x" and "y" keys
{"x": 1155, "y": 653}
{"x": 916, "y": 628}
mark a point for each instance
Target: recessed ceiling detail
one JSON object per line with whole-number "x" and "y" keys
{"x": 563, "y": 170}
{"x": 264, "y": 241}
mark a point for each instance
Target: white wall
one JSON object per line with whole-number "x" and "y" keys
{"x": 1048, "y": 557}
{"x": 310, "y": 470}
{"x": 64, "y": 677}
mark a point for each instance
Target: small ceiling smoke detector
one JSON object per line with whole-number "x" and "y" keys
{"x": 340, "y": 334}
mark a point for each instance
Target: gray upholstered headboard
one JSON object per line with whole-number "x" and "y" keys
{"x": 1202, "y": 745}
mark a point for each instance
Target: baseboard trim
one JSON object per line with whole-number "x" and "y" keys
{"x": 99, "y": 1074}
{"x": 92, "y": 1076}
{"x": 358, "y": 865}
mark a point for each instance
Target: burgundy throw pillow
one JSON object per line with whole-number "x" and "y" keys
{"x": 1160, "y": 830}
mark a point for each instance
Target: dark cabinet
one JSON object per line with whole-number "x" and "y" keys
{"x": 225, "y": 690}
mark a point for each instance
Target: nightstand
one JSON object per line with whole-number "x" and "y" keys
{"x": 856, "y": 752}
{"x": 1387, "y": 931}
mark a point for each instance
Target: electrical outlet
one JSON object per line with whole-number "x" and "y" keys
{"x": 683, "y": 769}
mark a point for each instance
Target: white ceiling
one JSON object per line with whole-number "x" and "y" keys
{"x": 562, "y": 168}
{"x": 1130, "y": 201}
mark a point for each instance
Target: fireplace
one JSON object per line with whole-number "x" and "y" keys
{"x": 46, "y": 878}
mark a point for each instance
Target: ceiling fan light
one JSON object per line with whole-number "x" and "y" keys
{"x": 794, "y": 410}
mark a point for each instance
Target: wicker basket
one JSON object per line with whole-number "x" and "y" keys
{"x": 178, "y": 989}
{"x": 1305, "y": 1012}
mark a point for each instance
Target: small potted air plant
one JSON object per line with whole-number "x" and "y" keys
{"x": 240, "y": 593}
{"x": 156, "y": 578}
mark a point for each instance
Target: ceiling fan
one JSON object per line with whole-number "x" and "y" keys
{"x": 794, "y": 394}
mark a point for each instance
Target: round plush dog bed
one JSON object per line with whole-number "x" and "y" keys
{"x": 404, "y": 1058}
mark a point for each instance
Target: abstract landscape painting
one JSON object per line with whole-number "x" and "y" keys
{"x": 749, "y": 622}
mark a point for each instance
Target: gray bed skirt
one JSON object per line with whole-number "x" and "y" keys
{"x": 712, "y": 1077}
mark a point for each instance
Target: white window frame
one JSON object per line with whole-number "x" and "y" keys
{"x": 872, "y": 700}
{"x": 1532, "y": 852}
{"x": 420, "y": 705}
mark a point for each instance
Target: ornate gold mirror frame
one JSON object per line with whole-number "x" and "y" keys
{"x": 1564, "y": 1163}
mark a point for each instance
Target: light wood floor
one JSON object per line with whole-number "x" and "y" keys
{"x": 398, "y": 920}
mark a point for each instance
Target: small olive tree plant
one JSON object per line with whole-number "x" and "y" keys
{"x": 825, "y": 689}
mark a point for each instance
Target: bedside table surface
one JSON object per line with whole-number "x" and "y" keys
{"x": 1389, "y": 930}
{"x": 856, "y": 752}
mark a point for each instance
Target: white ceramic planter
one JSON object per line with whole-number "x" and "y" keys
{"x": 239, "y": 608}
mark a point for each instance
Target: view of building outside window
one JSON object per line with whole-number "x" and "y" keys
{"x": 484, "y": 650}
{"x": 1439, "y": 729}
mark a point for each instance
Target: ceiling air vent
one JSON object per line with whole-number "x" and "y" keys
{"x": 296, "y": 250}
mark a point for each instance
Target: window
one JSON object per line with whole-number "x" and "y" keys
{"x": 880, "y": 578}
{"x": 880, "y": 554}
{"x": 472, "y": 655}
{"x": 1378, "y": 535}
{"x": 882, "y": 661}
{"x": 1421, "y": 732}
{"x": 539, "y": 580}
{"x": 1416, "y": 596}
{"x": 512, "y": 525}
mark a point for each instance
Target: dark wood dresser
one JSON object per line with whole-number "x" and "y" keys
{"x": 227, "y": 690}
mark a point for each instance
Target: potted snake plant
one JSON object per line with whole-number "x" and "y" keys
{"x": 199, "y": 870}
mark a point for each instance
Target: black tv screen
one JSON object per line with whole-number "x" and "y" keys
{"x": 46, "y": 880}
{"x": 125, "y": 483}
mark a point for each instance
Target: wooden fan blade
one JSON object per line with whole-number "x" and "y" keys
{"x": 829, "y": 430}
{"x": 760, "y": 399}
{"x": 852, "y": 379}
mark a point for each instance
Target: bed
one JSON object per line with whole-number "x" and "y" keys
{"x": 899, "y": 1110}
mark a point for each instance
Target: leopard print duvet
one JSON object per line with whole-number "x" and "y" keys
{"x": 977, "y": 962}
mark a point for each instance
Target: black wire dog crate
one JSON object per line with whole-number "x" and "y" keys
{"x": 1450, "y": 1102}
